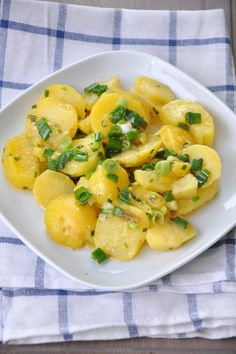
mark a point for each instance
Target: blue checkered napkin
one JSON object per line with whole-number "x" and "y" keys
{"x": 38, "y": 304}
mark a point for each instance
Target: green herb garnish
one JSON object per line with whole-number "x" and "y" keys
{"x": 99, "y": 255}
{"x": 83, "y": 195}
{"x": 43, "y": 128}
{"x": 193, "y": 118}
{"x": 96, "y": 88}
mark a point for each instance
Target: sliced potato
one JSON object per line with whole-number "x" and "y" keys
{"x": 163, "y": 237}
{"x": 100, "y": 113}
{"x": 174, "y": 138}
{"x": 154, "y": 90}
{"x": 68, "y": 223}
{"x": 60, "y": 116}
{"x": 85, "y": 125}
{"x": 138, "y": 155}
{"x": 103, "y": 188}
{"x": 186, "y": 187}
{"x": 153, "y": 199}
{"x": 20, "y": 165}
{"x": 174, "y": 112}
{"x": 51, "y": 184}
{"x": 78, "y": 168}
{"x": 66, "y": 94}
{"x": 211, "y": 160}
{"x": 152, "y": 181}
{"x": 179, "y": 168}
{"x": 122, "y": 236}
{"x": 186, "y": 206}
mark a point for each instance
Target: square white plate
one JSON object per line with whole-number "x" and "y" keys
{"x": 25, "y": 217}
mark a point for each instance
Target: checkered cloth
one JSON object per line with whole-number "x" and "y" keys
{"x": 37, "y": 303}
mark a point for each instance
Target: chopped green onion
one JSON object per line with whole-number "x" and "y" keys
{"x": 132, "y": 135}
{"x": 32, "y": 118}
{"x": 184, "y": 157}
{"x": 183, "y": 126}
{"x": 168, "y": 196}
{"x": 43, "y": 128}
{"x": 66, "y": 143}
{"x": 156, "y": 215}
{"x": 46, "y": 93}
{"x": 101, "y": 158}
{"x": 17, "y": 158}
{"x": 169, "y": 153}
{"x": 107, "y": 208}
{"x": 117, "y": 114}
{"x": 92, "y": 233}
{"x": 155, "y": 111}
{"x": 47, "y": 152}
{"x": 122, "y": 102}
{"x": 64, "y": 158}
{"x": 148, "y": 167}
{"x": 95, "y": 88}
{"x": 34, "y": 106}
{"x": 83, "y": 195}
{"x": 125, "y": 196}
{"x": 113, "y": 147}
{"x": 160, "y": 154}
{"x": 145, "y": 229}
{"x": 180, "y": 222}
{"x": 98, "y": 137}
{"x": 125, "y": 145}
{"x": 163, "y": 168}
{"x": 117, "y": 211}
{"x": 99, "y": 255}
{"x": 135, "y": 119}
{"x": 110, "y": 165}
{"x": 193, "y": 118}
{"x": 52, "y": 165}
{"x": 80, "y": 156}
{"x": 89, "y": 173}
{"x": 202, "y": 177}
{"x": 196, "y": 165}
{"x": 113, "y": 177}
{"x": 195, "y": 198}
{"x": 95, "y": 146}
{"x": 115, "y": 131}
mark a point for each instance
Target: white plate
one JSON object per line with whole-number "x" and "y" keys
{"x": 25, "y": 217}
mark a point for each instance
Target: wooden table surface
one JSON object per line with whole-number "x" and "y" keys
{"x": 145, "y": 345}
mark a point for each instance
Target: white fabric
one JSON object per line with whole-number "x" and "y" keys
{"x": 199, "y": 299}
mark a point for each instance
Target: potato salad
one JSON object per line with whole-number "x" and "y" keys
{"x": 115, "y": 169}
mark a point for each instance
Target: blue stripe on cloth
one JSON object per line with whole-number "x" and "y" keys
{"x": 63, "y": 315}
{"x": 220, "y": 88}
{"x": 227, "y": 241}
{"x": 230, "y": 256}
{"x": 116, "y": 29}
{"x": 39, "y": 273}
{"x": 153, "y": 287}
{"x": 14, "y": 85}
{"x": 11, "y": 240}
{"x": 193, "y": 311}
{"x": 229, "y": 73}
{"x": 217, "y": 287}
{"x": 166, "y": 280}
{"x": 128, "y": 315}
{"x": 172, "y": 36}
{"x": 51, "y": 292}
{"x": 5, "y": 11}
{"x": 181, "y": 335}
{"x": 58, "y": 58}
{"x": 83, "y": 37}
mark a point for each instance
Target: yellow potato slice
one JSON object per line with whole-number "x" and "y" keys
{"x": 60, "y": 116}
{"x": 186, "y": 206}
{"x": 122, "y": 237}
{"x": 20, "y": 165}
{"x": 78, "y": 168}
{"x": 68, "y": 223}
{"x": 66, "y": 94}
{"x": 174, "y": 138}
{"x": 152, "y": 181}
{"x": 51, "y": 184}
{"x": 85, "y": 125}
{"x": 154, "y": 90}
{"x": 153, "y": 199}
{"x": 185, "y": 187}
{"x": 103, "y": 188}
{"x": 174, "y": 112}
{"x": 211, "y": 161}
{"x": 100, "y": 118}
{"x": 138, "y": 155}
{"x": 163, "y": 237}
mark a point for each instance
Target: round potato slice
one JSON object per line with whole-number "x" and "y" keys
{"x": 68, "y": 223}
{"x": 152, "y": 181}
{"x": 174, "y": 112}
{"x": 122, "y": 236}
{"x": 104, "y": 188}
{"x": 138, "y": 155}
{"x": 163, "y": 237}
{"x": 20, "y": 165}
{"x": 186, "y": 206}
{"x": 51, "y": 184}
{"x": 100, "y": 113}
{"x": 66, "y": 94}
{"x": 61, "y": 118}
{"x": 211, "y": 161}
{"x": 174, "y": 138}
